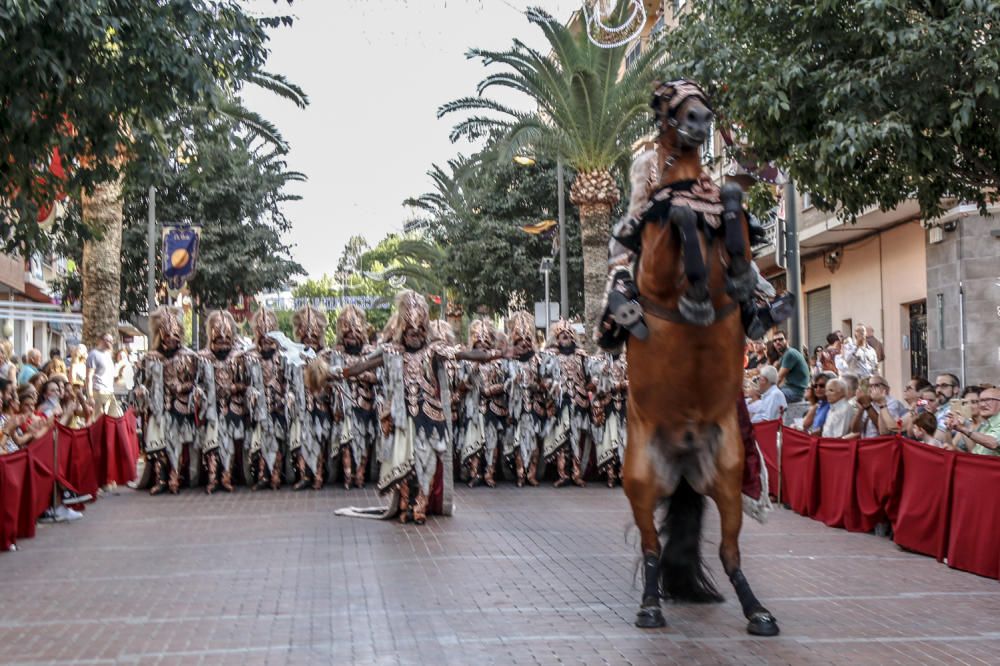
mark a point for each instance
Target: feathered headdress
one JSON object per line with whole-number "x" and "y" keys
{"x": 221, "y": 324}
{"x": 522, "y": 327}
{"x": 352, "y": 320}
{"x": 310, "y": 324}
{"x": 264, "y": 321}
{"x": 165, "y": 322}
{"x": 561, "y": 326}
{"x": 411, "y": 312}
{"x": 482, "y": 331}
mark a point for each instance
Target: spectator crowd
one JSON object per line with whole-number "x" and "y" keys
{"x": 72, "y": 391}
{"x": 844, "y": 395}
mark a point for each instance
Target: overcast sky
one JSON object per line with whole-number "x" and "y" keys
{"x": 376, "y": 72}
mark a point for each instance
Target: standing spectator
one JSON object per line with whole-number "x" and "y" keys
{"x": 100, "y": 385}
{"x": 984, "y": 440}
{"x": 838, "y": 420}
{"x": 124, "y": 376}
{"x": 772, "y": 401}
{"x": 816, "y": 361}
{"x": 828, "y": 359}
{"x": 8, "y": 369}
{"x": 819, "y": 406}
{"x": 78, "y": 366}
{"x": 861, "y": 358}
{"x": 33, "y": 359}
{"x": 875, "y": 343}
{"x": 55, "y": 365}
{"x": 793, "y": 378}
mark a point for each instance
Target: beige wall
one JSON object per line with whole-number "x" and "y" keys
{"x": 877, "y": 278}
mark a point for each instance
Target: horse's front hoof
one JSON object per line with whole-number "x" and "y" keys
{"x": 762, "y": 624}
{"x": 650, "y": 617}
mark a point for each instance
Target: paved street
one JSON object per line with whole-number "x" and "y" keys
{"x": 539, "y": 576}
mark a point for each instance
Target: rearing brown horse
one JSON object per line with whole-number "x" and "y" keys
{"x": 685, "y": 378}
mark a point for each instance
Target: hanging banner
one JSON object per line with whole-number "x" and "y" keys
{"x": 180, "y": 253}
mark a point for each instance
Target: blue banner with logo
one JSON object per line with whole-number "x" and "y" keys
{"x": 180, "y": 253}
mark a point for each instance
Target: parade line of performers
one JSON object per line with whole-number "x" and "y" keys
{"x": 281, "y": 412}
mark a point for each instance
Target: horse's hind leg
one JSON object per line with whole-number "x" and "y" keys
{"x": 727, "y": 496}
{"x": 639, "y": 482}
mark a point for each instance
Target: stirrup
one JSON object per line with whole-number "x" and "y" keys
{"x": 627, "y": 313}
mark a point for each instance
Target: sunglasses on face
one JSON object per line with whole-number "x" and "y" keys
{"x": 819, "y": 386}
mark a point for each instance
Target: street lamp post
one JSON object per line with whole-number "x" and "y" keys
{"x": 545, "y": 268}
{"x": 151, "y": 253}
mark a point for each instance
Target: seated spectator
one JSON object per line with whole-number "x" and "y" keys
{"x": 771, "y": 401}
{"x": 924, "y": 427}
{"x": 852, "y": 382}
{"x": 37, "y": 381}
{"x": 860, "y": 357}
{"x": 913, "y": 389}
{"x": 50, "y": 404}
{"x": 33, "y": 359}
{"x": 757, "y": 356}
{"x": 838, "y": 420}
{"x": 793, "y": 377}
{"x": 819, "y": 407}
{"x": 55, "y": 364}
{"x": 982, "y": 440}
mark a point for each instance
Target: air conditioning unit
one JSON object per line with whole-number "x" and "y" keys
{"x": 935, "y": 235}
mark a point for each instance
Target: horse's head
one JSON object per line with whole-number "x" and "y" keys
{"x": 683, "y": 117}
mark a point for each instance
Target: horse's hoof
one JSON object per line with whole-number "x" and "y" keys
{"x": 650, "y": 618}
{"x": 741, "y": 284}
{"x": 696, "y": 312}
{"x": 762, "y": 624}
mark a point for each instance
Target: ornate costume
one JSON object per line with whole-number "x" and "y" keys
{"x": 268, "y": 397}
{"x": 528, "y": 398}
{"x": 222, "y": 418}
{"x": 610, "y": 373}
{"x": 570, "y": 384}
{"x": 167, "y": 395}
{"x": 485, "y": 406}
{"x": 357, "y": 428}
{"x": 312, "y": 422}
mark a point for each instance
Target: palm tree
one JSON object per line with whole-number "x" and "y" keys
{"x": 102, "y": 211}
{"x": 588, "y": 113}
{"x": 418, "y": 260}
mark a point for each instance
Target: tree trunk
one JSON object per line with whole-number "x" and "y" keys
{"x": 594, "y": 193}
{"x": 595, "y": 231}
{"x": 102, "y": 212}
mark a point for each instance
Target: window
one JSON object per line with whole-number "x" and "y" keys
{"x": 819, "y": 316}
{"x": 658, "y": 28}
{"x": 633, "y": 54}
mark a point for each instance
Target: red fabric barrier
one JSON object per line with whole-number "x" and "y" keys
{"x": 920, "y": 520}
{"x": 13, "y": 472}
{"x": 798, "y": 471}
{"x": 39, "y": 480}
{"x": 121, "y": 449}
{"x": 875, "y": 479}
{"x": 974, "y": 540}
{"x": 766, "y": 434}
{"x": 834, "y": 483}
{"x": 76, "y": 460}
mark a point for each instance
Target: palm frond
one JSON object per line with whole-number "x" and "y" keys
{"x": 281, "y": 86}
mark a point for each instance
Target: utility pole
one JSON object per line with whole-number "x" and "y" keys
{"x": 151, "y": 253}
{"x": 792, "y": 263}
{"x": 563, "y": 280}
{"x": 546, "y": 268}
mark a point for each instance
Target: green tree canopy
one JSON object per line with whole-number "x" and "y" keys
{"x": 864, "y": 102}
{"x": 97, "y": 79}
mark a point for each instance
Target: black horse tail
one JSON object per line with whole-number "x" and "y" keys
{"x": 683, "y": 575}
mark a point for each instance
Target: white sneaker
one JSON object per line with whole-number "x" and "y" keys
{"x": 12, "y": 548}
{"x": 48, "y": 517}
{"x": 64, "y": 514}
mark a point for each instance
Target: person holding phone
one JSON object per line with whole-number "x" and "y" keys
{"x": 982, "y": 440}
